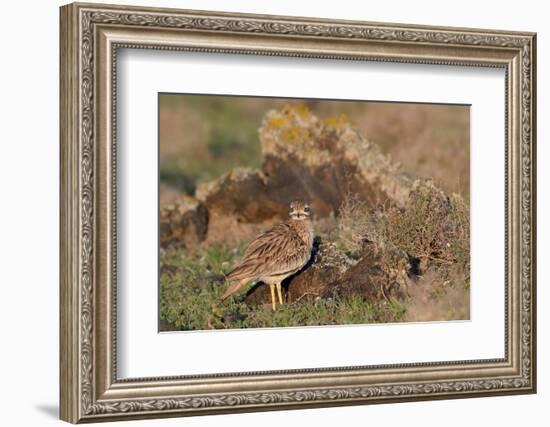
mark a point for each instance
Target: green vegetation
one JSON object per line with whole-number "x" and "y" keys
{"x": 191, "y": 285}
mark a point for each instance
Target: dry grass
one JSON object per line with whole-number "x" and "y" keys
{"x": 429, "y": 238}
{"x": 432, "y": 298}
{"x": 357, "y": 224}
{"x": 432, "y": 227}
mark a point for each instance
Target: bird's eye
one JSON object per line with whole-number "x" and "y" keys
{"x": 306, "y": 209}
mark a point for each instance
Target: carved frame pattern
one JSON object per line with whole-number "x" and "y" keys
{"x": 80, "y": 23}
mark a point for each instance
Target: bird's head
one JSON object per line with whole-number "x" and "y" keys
{"x": 299, "y": 209}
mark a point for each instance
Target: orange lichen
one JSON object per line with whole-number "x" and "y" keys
{"x": 301, "y": 110}
{"x": 338, "y": 122}
{"x": 277, "y": 122}
{"x": 290, "y": 125}
{"x": 295, "y": 135}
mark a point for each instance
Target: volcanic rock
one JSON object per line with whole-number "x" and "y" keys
{"x": 185, "y": 221}
{"x": 306, "y": 157}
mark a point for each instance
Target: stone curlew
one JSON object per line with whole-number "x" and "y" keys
{"x": 275, "y": 254}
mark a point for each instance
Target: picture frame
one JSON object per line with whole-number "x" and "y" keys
{"x": 91, "y": 35}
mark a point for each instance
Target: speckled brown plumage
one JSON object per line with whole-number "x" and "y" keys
{"x": 276, "y": 254}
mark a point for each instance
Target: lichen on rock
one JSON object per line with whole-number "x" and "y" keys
{"x": 321, "y": 160}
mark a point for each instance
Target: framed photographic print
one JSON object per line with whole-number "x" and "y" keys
{"x": 265, "y": 212}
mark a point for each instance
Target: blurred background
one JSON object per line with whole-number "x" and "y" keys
{"x": 202, "y": 137}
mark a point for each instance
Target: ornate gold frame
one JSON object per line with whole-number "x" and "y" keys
{"x": 90, "y": 36}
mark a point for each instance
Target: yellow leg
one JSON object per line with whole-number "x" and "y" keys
{"x": 279, "y": 293}
{"x": 272, "y": 287}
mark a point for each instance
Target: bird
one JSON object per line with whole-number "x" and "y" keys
{"x": 275, "y": 254}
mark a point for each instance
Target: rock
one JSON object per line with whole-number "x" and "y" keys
{"x": 168, "y": 195}
{"x": 303, "y": 156}
{"x": 330, "y": 158}
{"x": 185, "y": 221}
{"x": 326, "y": 264}
{"x": 371, "y": 278}
{"x": 244, "y": 194}
{"x": 330, "y": 273}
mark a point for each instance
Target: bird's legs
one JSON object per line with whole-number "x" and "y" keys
{"x": 272, "y": 288}
{"x": 279, "y": 293}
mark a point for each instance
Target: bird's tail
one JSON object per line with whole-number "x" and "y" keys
{"x": 233, "y": 288}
